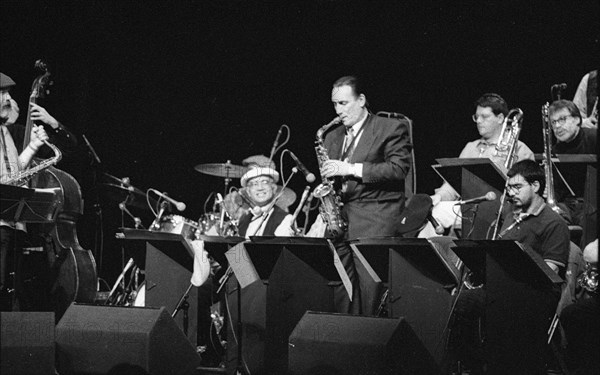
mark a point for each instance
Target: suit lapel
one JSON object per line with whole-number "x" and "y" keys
{"x": 337, "y": 139}
{"x": 365, "y": 142}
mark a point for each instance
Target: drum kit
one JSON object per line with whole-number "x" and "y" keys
{"x": 216, "y": 223}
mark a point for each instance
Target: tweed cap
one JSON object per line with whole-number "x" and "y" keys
{"x": 6, "y": 82}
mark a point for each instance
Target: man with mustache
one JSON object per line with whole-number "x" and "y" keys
{"x": 531, "y": 222}
{"x": 13, "y": 160}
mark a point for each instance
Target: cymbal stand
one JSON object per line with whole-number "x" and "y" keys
{"x": 184, "y": 305}
{"x": 227, "y": 178}
{"x": 137, "y": 221}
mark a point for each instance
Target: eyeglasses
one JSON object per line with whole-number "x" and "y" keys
{"x": 257, "y": 183}
{"x": 561, "y": 120}
{"x": 515, "y": 188}
{"x": 475, "y": 116}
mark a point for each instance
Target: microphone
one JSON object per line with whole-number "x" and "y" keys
{"x": 275, "y": 144}
{"x": 306, "y": 207}
{"x": 557, "y": 89}
{"x": 119, "y": 279}
{"x": 179, "y": 205}
{"x": 489, "y": 196}
{"x": 439, "y": 229}
{"x": 310, "y": 178}
{"x": 301, "y": 204}
{"x": 559, "y": 86}
{"x": 92, "y": 151}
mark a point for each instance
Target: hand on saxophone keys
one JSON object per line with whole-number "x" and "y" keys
{"x": 332, "y": 168}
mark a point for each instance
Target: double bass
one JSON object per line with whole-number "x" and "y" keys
{"x": 73, "y": 268}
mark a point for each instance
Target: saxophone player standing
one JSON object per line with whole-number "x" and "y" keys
{"x": 369, "y": 157}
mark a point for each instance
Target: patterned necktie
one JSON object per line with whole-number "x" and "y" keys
{"x": 349, "y": 143}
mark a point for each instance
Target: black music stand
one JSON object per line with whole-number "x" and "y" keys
{"x": 521, "y": 297}
{"x": 169, "y": 267}
{"x": 420, "y": 278}
{"x": 471, "y": 178}
{"x": 291, "y": 276}
{"x": 29, "y": 205}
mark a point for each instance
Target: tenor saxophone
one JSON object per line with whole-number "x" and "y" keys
{"x": 331, "y": 202}
{"x": 22, "y": 177}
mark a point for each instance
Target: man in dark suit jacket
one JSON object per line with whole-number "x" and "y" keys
{"x": 371, "y": 164}
{"x": 369, "y": 158}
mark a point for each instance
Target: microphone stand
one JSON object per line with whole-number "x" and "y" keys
{"x": 298, "y": 209}
{"x": 119, "y": 279}
{"x": 137, "y": 221}
{"x": 184, "y": 305}
{"x": 156, "y": 223}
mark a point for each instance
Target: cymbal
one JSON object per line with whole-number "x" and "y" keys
{"x": 131, "y": 196}
{"x": 226, "y": 170}
{"x": 287, "y": 198}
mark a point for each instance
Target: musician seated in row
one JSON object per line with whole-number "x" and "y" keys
{"x": 264, "y": 217}
{"x": 237, "y": 206}
{"x": 580, "y": 320}
{"x": 534, "y": 224}
{"x": 571, "y": 138}
{"x": 14, "y": 160}
{"x": 490, "y": 113}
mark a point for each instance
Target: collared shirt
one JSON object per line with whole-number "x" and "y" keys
{"x": 258, "y": 223}
{"x": 356, "y": 168}
{"x": 10, "y": 166}
{"x": 542, "y": 229}
{"x": 481, "y": 148}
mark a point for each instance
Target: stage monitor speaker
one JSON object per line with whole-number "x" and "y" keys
{"x": 27, "y": 343}
{"x": 325, "y": 343}
{"x": 93, "y": 339}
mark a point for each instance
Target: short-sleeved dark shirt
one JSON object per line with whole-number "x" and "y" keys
{"x": 545, "y": 232}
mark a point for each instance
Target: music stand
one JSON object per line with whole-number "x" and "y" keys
{"x": 29, "y": 205}
{"x": 471, "y": 178}
{"x": 169, "y": 267}
{"x": 292, "y": 275}
{"x": 420, "y": 278}
{"x": 520, "y": 301}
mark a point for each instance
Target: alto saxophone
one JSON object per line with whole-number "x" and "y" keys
{"x": 331, "y": 201}
{"x": 22, "y": 177}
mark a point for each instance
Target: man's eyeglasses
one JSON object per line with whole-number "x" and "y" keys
{"x": 475, "y": 117}
{"x": 257, "y": 183}
{"x": 561, "y": 120}
{"x": 515, "y": 188}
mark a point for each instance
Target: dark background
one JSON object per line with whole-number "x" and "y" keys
{"x": 159, "y": 87}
